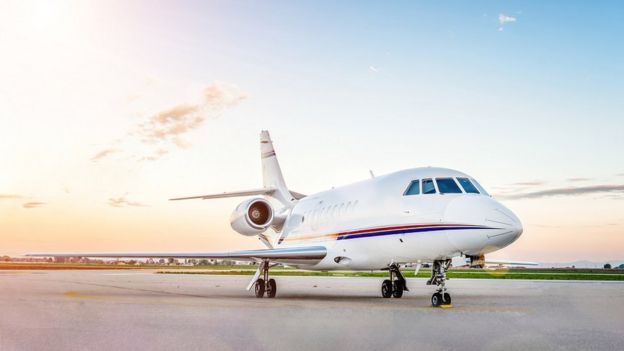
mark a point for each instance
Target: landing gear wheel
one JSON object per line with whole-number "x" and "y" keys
{"x": 436, "y": 300}
{"x": 397, "y": 289}
{"x": 447, "y": 299}
{"x": 386, "y": 288}
{"x": 259, "y": 288}
{"x": 271, "y": 289}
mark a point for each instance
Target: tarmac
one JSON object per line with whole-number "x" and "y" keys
{"x": 142, "y": 310}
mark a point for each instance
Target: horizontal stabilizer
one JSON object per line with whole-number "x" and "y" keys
{"x": 261, "y": 191}
{"x": 293, "y": 253}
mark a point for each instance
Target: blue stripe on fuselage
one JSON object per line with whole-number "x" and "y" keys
{"x": 405, "y": 231}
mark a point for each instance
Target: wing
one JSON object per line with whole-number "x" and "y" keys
{"x": 309, "y": 254}
{"x": 511, "y": 263}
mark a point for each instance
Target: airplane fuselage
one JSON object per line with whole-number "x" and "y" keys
{"x": 374, "y": 223}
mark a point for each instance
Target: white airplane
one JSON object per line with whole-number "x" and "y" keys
{"x": 414, "y": 216}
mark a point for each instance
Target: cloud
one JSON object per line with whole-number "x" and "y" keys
{"x": 579, "y": 179}
{"x": 171, "y": 124}
{"x": 530, "y": 183}
{"x": 504, "y": 19}
{"x": 27, "y": 205}
{"x": 159, "y": 132}
{"x": 620, "y": 174}
{"x": 122, "y": 201}
{"x": 373, "y": 69}
{"x": 155, "y": 156}
{"x": 33, "y": 204}
{"x": 220, "y": 95}
{"x": 569, "y": 191}
{"x": 11, "y": 197}
{"x": 104, "y": 153}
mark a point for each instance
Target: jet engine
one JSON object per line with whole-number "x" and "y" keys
{"x": 252, "y": 217}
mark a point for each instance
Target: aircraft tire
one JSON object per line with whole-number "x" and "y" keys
{"x": 259, "y": 288}
{"x": 397, "y": 289}
{"x": 271, "y": 288}
{"x": 436, "y": 300}
{"x": 386, "y": 289}
{"x": 447, "y": 299}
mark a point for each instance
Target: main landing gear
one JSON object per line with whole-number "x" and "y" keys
{"x": 438, "y": 277}
{"x": 265, "y": 284}
{"x": 394, "y": 287}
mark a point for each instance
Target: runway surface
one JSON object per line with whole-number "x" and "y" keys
{"x": 140, "y": 310}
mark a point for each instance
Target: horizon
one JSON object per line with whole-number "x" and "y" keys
{"x": 109, "y": 109}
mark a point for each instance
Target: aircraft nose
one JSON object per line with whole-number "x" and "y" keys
{"x": 505, "y": 219}
{"x": 504, "y": 227}
{"x": 518, "y": 229}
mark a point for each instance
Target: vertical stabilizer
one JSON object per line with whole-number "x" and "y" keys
{"x": 271, "y": 172}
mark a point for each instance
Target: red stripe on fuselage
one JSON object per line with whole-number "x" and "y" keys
{"x": 376, "y": 229}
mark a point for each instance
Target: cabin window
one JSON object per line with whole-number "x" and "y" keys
{"x": 413, "y": 188}
{"x": 428, "y": 187}
{"x": 448, "y": 186}
{"x": 467, "y": 185}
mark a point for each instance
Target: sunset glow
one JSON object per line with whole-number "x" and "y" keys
{"x": 109, "y": 108}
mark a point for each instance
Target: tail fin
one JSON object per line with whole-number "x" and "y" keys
{"x": 271, "y": 172}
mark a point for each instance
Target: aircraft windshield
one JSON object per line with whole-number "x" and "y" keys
{"x": 427, "y": 187}
{"x": 467, "y": 185}
{"x": 448, "y": 186}
{"x": 480, "y": 187}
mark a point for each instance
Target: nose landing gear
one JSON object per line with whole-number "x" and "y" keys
{"x": 438, "y": 277}
{"x": 394, "y": 287}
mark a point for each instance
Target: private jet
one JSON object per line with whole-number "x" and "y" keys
{"x": 416, "y": 216}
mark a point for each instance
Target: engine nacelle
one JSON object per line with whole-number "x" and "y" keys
{"x": 252, "y": 217}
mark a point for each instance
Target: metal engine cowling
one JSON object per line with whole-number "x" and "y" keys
{"x": 252, "y": 217}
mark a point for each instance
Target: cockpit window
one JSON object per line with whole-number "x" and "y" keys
{"x": 448, "y": 186}
{"x": 413, "y": 188}
{"x": 427, "y": 186}
{"x": 480, "y": 187}
{"x": 467, "y": 185}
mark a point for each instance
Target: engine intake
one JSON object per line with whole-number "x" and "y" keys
{"x": 252, "y": 217}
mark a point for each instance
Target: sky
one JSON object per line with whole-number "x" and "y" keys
{"x": 107, "y": 109}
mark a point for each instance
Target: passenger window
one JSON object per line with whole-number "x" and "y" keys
{"x": 413, "y": 188}
{"x": 467, "y": 185}
{"x": 427, "y": 186}
{"x": 448, "y": 186}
